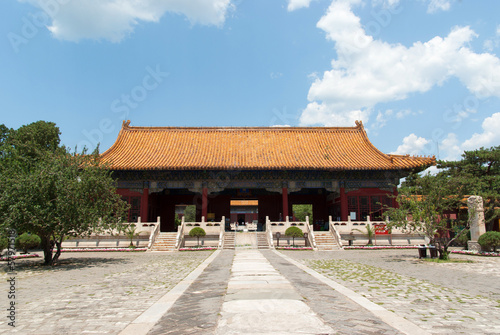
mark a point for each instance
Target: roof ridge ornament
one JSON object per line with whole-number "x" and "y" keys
{"x": 359, "y": 123}
{"x": 126, "y": 124}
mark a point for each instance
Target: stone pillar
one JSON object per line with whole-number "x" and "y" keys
{"x": 477, "y": 223}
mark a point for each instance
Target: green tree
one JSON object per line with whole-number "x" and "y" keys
{"x": 197, "y": 232}
{"x": 301, "y": 211}
{"x": 294, "y": 232}
{"x": 49, "y": 191}
{"x": 423, "y": 200}
{"x": 190, "y": 213}
{"x": 478, "y": 173}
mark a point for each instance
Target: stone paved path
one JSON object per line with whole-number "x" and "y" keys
{"x": 197, "y": 310}
{"x": 340, "y": 313}
{"x": 91, "y": 292}
{"x": 420, "y": 297}
{"x": 259, "y": 300}
{"x": 102, "y": 293}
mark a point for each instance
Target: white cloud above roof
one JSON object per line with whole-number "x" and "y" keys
{"x": 412, "y": 144}
{"x": 450, "y": 148}
{"x": 489, "y": 137}
{"x": 114, "y": 19}
{"x": 368, "y": 71}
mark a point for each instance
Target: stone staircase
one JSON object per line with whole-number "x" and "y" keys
{"x": 325, "y": 241}
{"x": 262, "y": 240}
{"x": 164, "y": 242}
{"x": 229, "y": 240}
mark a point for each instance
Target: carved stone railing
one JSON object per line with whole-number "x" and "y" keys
{"x": 310, "y": 234}
{"x": 222, "y": 232}
{"x": 273, "y": 227}
{"x": 334, "y": 232}
{"x": 154, "y": 232}
{"x": 179, "y": 239}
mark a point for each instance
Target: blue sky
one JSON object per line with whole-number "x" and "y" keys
{"x": 422, "y": 75}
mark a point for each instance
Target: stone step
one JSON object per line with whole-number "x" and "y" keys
{"x": 229, "y": 240}
{"x": 165, "y": 242}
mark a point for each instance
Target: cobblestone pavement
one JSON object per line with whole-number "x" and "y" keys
{"x": 91, "y": 293}
{"x": 197, "y": 310}
{"x": 443, "y": 298}
{"x": 101, "y": 293}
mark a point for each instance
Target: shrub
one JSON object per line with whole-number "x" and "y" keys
{"x": 130, "y": 232}
{"x": 197, "y": 232}
{"x": 294, "y": 232}
{"x": 490, "y": 239}
{"x": 4, "y": 243}
{"x": 27, "y": 241}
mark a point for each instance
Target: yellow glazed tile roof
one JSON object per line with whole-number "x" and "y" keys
{"x": 268, "y": 148}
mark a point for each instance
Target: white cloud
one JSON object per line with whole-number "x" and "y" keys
{"x": 368, "y": 71}
{"x": 385, "y": 3}
{"x": 437, "y": 5}
{"x": 494, "y": 42}
{"x": 114, "y": 19}
{"x": 382, "y": 118}
{"x": 489, "y": 137}
{"x": 297, "y": 4}
{"x": 412, "y": 145}
{"x": 276, "y": 75}
{"x": 450, "y": 148}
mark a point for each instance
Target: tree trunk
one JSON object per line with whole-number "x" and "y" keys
{"x": 58, "y": 251}
{"x": 47, "y": 250}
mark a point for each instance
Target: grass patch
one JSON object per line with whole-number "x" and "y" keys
{"x": 437, "y": 260}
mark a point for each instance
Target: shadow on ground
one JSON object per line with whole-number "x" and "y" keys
{"x": 63, "y": 264}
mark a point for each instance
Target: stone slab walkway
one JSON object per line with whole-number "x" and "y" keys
{"x": 339, "y": 312}
{"x": 259, "y": 300}
{"x": 255, "y": 291}
{"x": 441, "y": 298}
{"x": 197, "y": 310}
{"x": 91, "y": 292}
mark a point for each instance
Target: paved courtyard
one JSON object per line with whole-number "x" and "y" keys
{"x": 247, "y": 291}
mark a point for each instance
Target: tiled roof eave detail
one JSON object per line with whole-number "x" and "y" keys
{"x": 264, "y": 169}
{"x": 254, "y": 148}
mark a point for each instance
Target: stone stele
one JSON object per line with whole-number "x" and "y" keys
{"x": 477, "y": 224}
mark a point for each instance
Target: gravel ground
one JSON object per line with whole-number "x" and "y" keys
{"x": 444, "y": 298}
{"x": 91, "y": 292}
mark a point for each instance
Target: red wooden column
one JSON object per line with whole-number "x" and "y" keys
{"x": 285, "y": 202}
{"x": 144, "y": 205}
{"x": 204, "y": 202}
{"x": 343, "y": 205}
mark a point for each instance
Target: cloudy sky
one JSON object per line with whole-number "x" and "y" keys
{"x": 422, "y": 75}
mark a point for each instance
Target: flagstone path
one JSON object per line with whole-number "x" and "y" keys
{"x": 251, "y": 291}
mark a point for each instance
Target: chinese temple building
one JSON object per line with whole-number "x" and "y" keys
{"x": 255, "y": 172}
